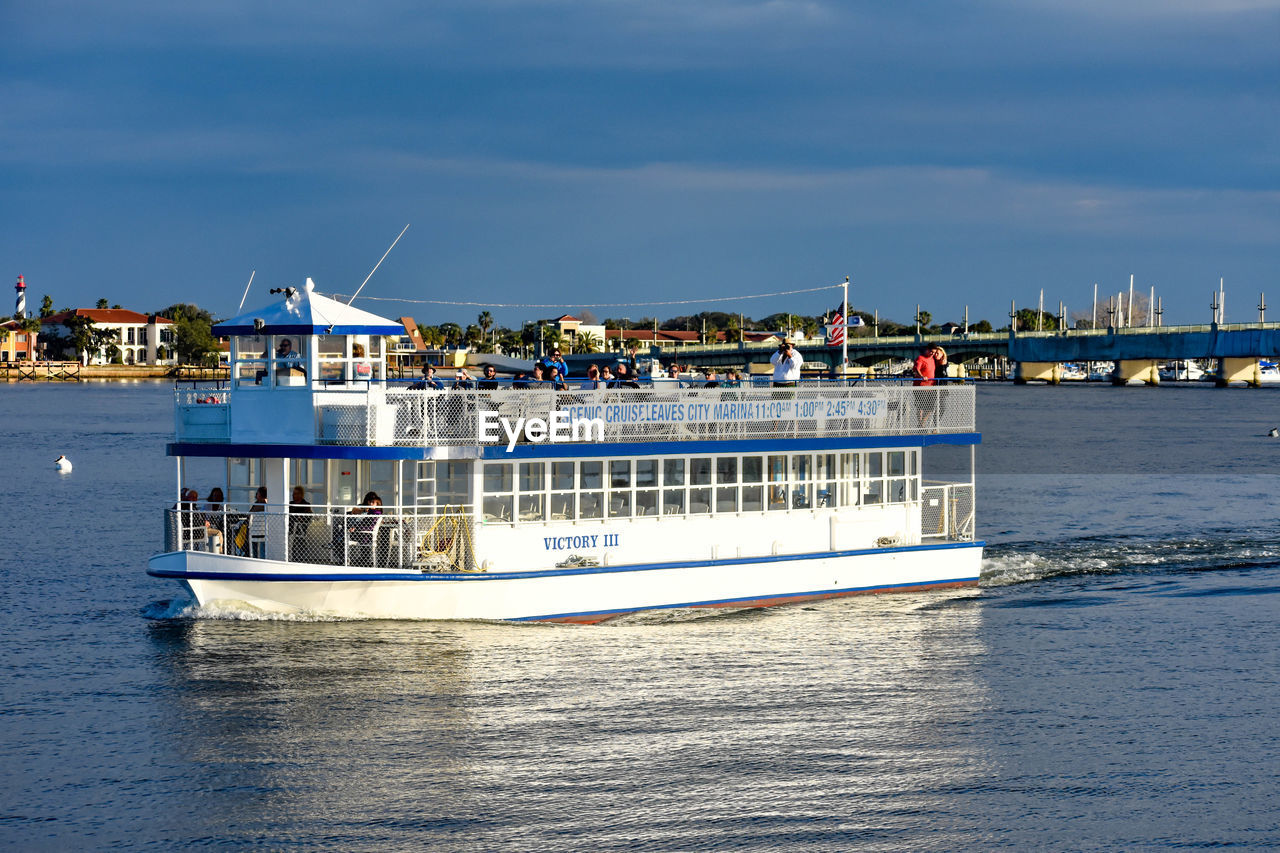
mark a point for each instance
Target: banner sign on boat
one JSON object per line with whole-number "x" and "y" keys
{"x": 871, "y": 409}
{"x": 590, "y": 422}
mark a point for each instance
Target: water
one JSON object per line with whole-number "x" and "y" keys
{"x": 1112, "y": 685}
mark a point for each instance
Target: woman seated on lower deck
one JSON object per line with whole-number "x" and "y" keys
{"x": 357, "y": 529}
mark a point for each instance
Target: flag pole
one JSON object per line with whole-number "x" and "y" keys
{"x": 844, "y": 344}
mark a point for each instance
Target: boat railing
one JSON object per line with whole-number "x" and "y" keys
{"x": 508, "y": 416}
{"x": 947, "y": 512}
{"x": 438, "y": 540}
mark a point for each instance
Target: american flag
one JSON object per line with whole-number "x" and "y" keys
{"x": 835, "y": 337}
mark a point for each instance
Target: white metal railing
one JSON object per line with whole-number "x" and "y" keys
{"x": 334, "y": 536}
{"x": 629, "y": 415}
{"x": 947, "y": 511}
{"x": 388, "y": 414}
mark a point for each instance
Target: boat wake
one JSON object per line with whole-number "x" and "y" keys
{"x": 183, "y": 609}
{"x": 1016, "y": 563}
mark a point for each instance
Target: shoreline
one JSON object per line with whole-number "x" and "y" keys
{"x": 24, "y": 371}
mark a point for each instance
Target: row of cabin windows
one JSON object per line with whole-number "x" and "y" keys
{"x": 626, "y": 488}
{"x": 600, "y": 488}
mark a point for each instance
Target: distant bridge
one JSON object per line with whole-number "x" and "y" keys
{"x": 1236, "y": 346}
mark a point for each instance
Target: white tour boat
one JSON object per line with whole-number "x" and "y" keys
{"x": 529, "y": 503}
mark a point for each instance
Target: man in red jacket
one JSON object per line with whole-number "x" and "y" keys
{"x": 930, "y": 363}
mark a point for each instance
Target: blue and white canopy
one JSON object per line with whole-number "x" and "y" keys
{"x": 306, "y": 312}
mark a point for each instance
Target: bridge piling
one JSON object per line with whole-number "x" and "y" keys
{"x": 1138, "y": 370}
{"x": 1246, "y": 370}
{"x": 1038, "y": 371}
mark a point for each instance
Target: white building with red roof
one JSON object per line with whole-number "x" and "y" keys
{"x": 140, "y": 338}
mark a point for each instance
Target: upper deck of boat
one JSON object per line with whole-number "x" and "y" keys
{"x": 391, "y": 414}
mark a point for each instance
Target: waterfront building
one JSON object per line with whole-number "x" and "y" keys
{"x": 15, "y": 343}
{"x": 140, "y": 338}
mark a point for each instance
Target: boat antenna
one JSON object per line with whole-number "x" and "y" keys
{"x": 246, "y": 291}
{"x": 378, "y": 264}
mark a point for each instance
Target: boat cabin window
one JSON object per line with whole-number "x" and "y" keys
{"x": 310, "y": 475}
{"x": 350, "y": 360}
{"x": 267, "y": 360}
{"x": 533, "y": 497}
{"x": 499, "y": 490}
{"x": 633, "y": 488}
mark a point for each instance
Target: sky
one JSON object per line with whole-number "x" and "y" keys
{"x": 580, "y": 153}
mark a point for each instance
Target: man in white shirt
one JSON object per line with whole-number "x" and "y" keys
{"x": 787, "y": 362}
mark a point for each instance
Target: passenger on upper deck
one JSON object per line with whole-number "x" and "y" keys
{"x": 607, "y": 378}
{"x": 625, "y": 378}
{"x": 712, "y": 382}
{"x": 633, "y": 366}
{"x": 552, "y": 374}
{"x": 673, "y": 372}
{"x": 731, "y": 379}
{"x": 490, "y": 381}
{"x": 462, "y": 380}
{"x": 557, "y": 361}
{"x": 593, "y": 379}
{"x": 787, "y": 362}
{"x": 931, "y": 362}
{"x": 428, "y": 381}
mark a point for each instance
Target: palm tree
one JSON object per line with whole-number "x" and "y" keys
{"x": 435, "y": 338}
{"x": 586, "y": 342}
{"x": 452, "y": 333}
{"x": 485, "y": 320}
{"x": 552, "y": 340}
{"x": 732, "y": 333}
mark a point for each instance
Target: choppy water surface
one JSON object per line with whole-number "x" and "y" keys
{"x": 1112, "y": 685}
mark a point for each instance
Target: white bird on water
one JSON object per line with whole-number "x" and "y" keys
{"x": 62, "y": 463}
{"x": 1275, "y": 433}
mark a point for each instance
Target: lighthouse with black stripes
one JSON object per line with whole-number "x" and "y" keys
{"x": 20, "y": 309}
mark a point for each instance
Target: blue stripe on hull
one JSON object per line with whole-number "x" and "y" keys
{"x": 589, "y": 570}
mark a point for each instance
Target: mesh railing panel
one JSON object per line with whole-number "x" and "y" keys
{"x": 627, "y": 415}
{"x": 440, "y": 542}
{"x": 947, "y": 512}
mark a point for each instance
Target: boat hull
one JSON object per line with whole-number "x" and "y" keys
{"x": 583, "y": 595}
